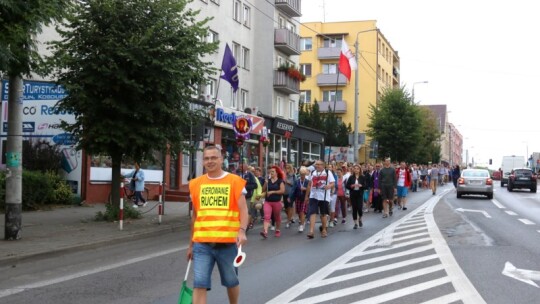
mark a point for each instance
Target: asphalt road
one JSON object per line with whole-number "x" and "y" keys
{"x": 402, "y": 259}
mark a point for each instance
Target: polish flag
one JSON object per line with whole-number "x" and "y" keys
{"x": 347, "y": 62}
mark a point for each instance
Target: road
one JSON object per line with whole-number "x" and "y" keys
{"x": 431, "y": 253}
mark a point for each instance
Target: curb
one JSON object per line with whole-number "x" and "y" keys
{"x": 11, "y": 261}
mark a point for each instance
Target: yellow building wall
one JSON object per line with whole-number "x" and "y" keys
{"x": 368, "y": 60}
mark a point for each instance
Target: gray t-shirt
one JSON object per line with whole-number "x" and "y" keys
{"x": 387, "y": 177}
{"x": 434, "y": 173}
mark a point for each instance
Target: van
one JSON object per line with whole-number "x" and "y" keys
{"x": 508, "y": 164}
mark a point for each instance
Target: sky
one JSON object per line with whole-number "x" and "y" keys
{"x": 481, "y": 58}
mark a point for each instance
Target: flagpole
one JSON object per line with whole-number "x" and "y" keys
{"x": 334, "y": 111}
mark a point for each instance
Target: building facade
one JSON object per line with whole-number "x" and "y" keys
{"x": 378, "y": 69}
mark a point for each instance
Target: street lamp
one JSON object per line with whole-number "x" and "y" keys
{"x": 356, "y": 117}
{"x": 425, "y": 81}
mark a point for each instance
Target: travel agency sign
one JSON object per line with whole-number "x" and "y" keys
{"x": 225, "y": 118}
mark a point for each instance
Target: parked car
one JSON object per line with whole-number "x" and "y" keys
{"x": 522, "y": 178}
{"x": 475, "y": 181}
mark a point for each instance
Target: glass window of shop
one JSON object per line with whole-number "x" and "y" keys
{"x": 277, "y": 151}
{"x": 248, "y": 152}
{"x": 311, "y": 151}
{"x": 293, "y": 157}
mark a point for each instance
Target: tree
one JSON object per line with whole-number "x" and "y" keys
{"x": 396, "y": 125}
{"x": 20, "y": 23}
{"x": 428, "y": 149}
{"x": 131, "y": 67}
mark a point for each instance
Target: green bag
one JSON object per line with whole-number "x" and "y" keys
{"x": 186, "y": 293}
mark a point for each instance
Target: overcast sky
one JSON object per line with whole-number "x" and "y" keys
{"x": 480, "y": 57}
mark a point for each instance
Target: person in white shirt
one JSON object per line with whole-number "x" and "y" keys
{"x": 318, "y": 194}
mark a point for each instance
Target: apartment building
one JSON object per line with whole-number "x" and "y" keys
{"x": 378, "y": 69}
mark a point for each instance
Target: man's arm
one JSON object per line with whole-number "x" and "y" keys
{"x": 242, "y": 207}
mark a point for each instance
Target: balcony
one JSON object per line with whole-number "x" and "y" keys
{"x": 286, "y": 84}
{"x": 287, "y": 42}
{"x": 324, "y": 80}
{"x": 328, "y": 53}
{"x": 341, "y": 106}
{"x": 291, "y": 8}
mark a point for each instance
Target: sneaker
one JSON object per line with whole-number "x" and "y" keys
{"x": 288, "y": 225}
{"x": 145, "y": 203}
{"x": 264, "y": 234}
{"x": 301, "y": 228}
{"x": 135, "y": 206}
{"x": 292, "y": 221}
{"x": 335, "y": 222}
{"x": 360, "y": 224}
{"x": 355, "y": 226}
{"x": 272, "y": 228}
{"x": 385, "y": 215}
{"x": 404, "y": 208}
{"x": 331, "y": 225}
{"x": 278, "y": 233}
{"x": 343, "y": 221}
{"x": 391, "y": 213}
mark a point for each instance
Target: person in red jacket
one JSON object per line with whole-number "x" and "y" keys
{"x": 404, "y": 178}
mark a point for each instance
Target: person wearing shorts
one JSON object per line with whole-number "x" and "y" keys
{"x": 403, "y": 177}
{"x": 215, "y": 234}
{"x": 387, "y": 187}
{"x": 318, "y": 195}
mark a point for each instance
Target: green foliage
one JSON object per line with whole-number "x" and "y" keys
{"x": 337, "y": 134}
{"x": 20, "y": 23}
{"x": 401, "y": 128}
{"x": 41, "y": 155}
{"x": 112, "y": 213}
{"x": 39, "y": 190}
{"x": 131, "y": 67}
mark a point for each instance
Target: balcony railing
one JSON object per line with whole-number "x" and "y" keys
{"x": 340, "y": 107}
{"x": 286, "y": 84}
{"x": 287, "y": 41}
{"x": 324, "y": 80}
{"x": 328, "y": 52}
{"x": 290, "y": 7}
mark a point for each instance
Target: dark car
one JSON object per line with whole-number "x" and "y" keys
{"x": 523, "y": 178}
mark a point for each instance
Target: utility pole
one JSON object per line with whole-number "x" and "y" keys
{"x": 13, "y": 216}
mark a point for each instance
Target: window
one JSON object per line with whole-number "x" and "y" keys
{"x": 236, "y": 51}
{"x": 306, "y": 69}
{"x": 244, "y": 100}
{"x": 305, "y": 96}
{"x": 330, "y": 95}
{"x": 212, "y": 37}
{"x": 247, "y": 16}
{"x": 279, "y": 106}
{"x": 207, "y": 90}
{"x": 306, "y": 44}
{"x": 280, "y": 61}
{"x": 292, "y": 109}
{"x": 237, "y": 6}
{"x": 245, "y": 58}
{"x": 281, "y": 22}
{"x": 334, "y": 42}
{"x": 234, "y": 99}
{"x": 329, "y": 68}
{"x": 311, "y": 151}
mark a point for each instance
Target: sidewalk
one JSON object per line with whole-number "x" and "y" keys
{"x": 73, "y": 228}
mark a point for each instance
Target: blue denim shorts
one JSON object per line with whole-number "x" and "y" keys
{"x": 402, "y": 191}
{"x": 205, "y": 256}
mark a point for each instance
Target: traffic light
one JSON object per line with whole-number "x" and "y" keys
{"x": 490, "y": 162}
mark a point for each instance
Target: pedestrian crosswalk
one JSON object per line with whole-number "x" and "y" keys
{"x": 408, "y": 262}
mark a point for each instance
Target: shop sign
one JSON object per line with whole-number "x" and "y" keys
{"x": 283, "y": 127}
{"x": 225, "y": 118}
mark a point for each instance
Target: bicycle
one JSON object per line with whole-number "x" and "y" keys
{"x": 129, "y": 194}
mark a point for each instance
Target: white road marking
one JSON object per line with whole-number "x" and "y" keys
{"x": 386, "y": 257}
{"x": 523, "y": 275}
{"x": 39, "y": 284}
{"x": 538, "y": 231}
{"x": 396, "y": 294}
{"x": 510, "y": 212}
{"x": 411, "y": 230}
{"x": 526, "y": 221}
{"x": 449, "y": 298}
{"x": 464, "y": 289}
{"x": 473, "y": 210}
{"x": 411, "y": 226}
{"x": 370, "y": 285}
{"x": 499, "y": 205}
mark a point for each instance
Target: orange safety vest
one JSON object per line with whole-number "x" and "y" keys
{"x": 216, "y": 203}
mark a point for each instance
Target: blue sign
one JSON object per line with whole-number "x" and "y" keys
{"x": 36, "y": 90}
{"x": 64, "y": 139}
{"x": 28, "y": 127}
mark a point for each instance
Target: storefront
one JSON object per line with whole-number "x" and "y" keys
{"x": 292, "y": 143}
